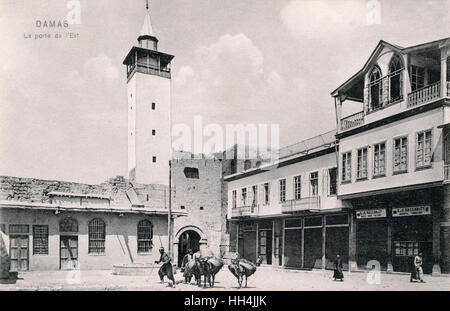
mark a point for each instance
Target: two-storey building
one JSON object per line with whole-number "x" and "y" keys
{"x": 287, "y": 212}
{"x": 394, "y": 156}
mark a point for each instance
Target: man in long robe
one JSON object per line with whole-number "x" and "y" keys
{"x": 338, "y": 268}
{"x": 166, "y": 268}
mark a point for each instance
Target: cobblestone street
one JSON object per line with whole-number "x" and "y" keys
{"x": 264, "y": 279}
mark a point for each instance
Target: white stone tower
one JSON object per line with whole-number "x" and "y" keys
{"x": 149, "y": 109}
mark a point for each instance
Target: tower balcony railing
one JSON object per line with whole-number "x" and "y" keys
{"x": 303, "y": 204}
{"x": 148, "y": 69}
{"x": 353, "y": 120}
{"x": 245, "y": 211}
{"x": 425, "y": 95}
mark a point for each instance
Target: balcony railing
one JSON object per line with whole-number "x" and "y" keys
{"x": 354, "y": 120}
{"x": 447, "y": 173}
{"x": 244, "y": 211}
{"x": 425, "y": 95}
{"x": 144, "y": 68}
{"x": 310, "y": 203}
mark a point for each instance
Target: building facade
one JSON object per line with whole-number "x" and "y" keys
{"x": 390, "y": 176}
{"x": 393, "y": 157}
{"x": 288, "y": 212}
{"x": 52, "y": 225}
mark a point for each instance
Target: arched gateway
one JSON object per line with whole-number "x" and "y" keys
{"x": 189, "y": 237}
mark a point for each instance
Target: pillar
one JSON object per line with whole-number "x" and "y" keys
{"x": 283, "y": 242}
{"x": 444, "y": 56}
{"x": 444, "y": 260}
{"x": 435, "y": 214}
{"x": 275, "y": 238}
{"x": 324, "y": 260}
{"x": 406, "y": 83}
{"x": 175, "y": 253}
{"x": 390, "y": 268}
{"x": 352, "y": 265}
{"x": 257, "y": 242}
{"x": 303, "y": 242}
{"x": 338, "y": 107}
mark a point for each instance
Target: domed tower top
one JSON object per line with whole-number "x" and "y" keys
{"x": 147, "y": 38}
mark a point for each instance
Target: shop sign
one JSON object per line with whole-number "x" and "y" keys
{"x": 411, "y": 211}
{"x": 371, "y": 213}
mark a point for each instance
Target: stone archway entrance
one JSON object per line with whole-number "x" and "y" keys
{"x": 188, "y": 238}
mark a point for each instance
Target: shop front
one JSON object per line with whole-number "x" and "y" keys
{"x": 412, "y": 231}
{"x": 372, "y": 238}
{"x": 255, "y": 239}
{"x": 313, "y": 242}
{"x": 393, "y": 236}
{"x": 247, "y": 240}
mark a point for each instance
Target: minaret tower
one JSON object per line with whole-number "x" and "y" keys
{"x": 149, "y": 111}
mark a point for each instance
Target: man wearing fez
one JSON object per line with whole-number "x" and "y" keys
{"x": 166, "y": 268}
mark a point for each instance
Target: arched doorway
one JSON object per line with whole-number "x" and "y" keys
{"x": 189, "y": 239}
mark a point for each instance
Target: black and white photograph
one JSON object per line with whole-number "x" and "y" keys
{"x": 225, "y": 145}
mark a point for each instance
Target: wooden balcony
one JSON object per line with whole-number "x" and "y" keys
{"x": 144, "y": 68}
{"x": 354, "y": 120}
{"x": 244, "y": 211}
{"x": 425, "y": 95}
{"x": 304, "y": 204}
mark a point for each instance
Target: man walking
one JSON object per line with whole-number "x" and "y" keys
{"x": 418, "y": 268}
{"x": 338, "y": 269}
{"x": 166, "y": 268}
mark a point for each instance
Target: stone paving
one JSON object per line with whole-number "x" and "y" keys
{"x": 265, "y": 278}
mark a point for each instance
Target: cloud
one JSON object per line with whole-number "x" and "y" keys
{"x": 183, "y": 75}
{"x": 98, "y": 69}
{"x": 316, "y": 19}
{"x": 275, "y": 81}
{"x": 229, "y": 81}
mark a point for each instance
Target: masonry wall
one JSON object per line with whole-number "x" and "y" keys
{"x": 205, "y": 192}
{"x": 36, "y": 190}
{"x": 120, "y": 242}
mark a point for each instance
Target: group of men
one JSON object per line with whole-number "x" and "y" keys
{"x": 166, "y": 269}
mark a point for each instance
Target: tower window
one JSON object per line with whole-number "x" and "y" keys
{"x": 153, "y": 132}
{"x": 154, "y": 159}
{"x": 201, "y": 208}
{"x": 191, "y": 172}
{"x": 153, "y": 106}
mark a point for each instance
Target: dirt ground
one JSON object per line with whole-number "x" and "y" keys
{"x": 265, "y": 278}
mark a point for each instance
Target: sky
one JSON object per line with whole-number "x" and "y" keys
{"x": 63, "y": 109}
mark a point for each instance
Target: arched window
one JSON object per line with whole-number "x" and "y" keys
{"x": 247, "y": 164}
{"x": 375, "y": 89}
{"x": 97, "y": 236}
{"x": 144, "y": 236}
{"x": 68, "y": 225}
{"x": 258, "y": 164}
{"x": 395, "y": 78}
